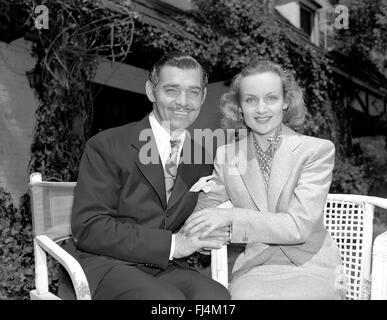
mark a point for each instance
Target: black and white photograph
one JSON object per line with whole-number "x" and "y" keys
{"x": 218, "y": 152}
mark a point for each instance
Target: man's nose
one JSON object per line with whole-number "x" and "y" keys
{"x": 182, "y": 99}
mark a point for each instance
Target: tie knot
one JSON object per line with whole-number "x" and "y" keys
{"x": 175, "y": 143}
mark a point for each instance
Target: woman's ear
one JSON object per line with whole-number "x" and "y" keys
{"x": 149, "y": 91}
{"x": 285, "y": 106}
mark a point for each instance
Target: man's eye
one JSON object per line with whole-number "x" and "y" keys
{"x": 171, "y": 91}
{"x": 194, "y": 93}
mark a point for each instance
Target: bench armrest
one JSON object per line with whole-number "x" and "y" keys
{"x": 219, "y": 266}
{"x": 44, "y": 244}
{"x": 379, "y": 268}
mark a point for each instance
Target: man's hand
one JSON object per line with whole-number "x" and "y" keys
{"x": 188, "y": 244}
{"x": 223, "y": 234}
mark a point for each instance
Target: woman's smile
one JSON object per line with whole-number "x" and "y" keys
{"x": 263, "y": 119}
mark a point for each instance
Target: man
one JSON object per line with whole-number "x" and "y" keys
{"x": 127, "y": 212}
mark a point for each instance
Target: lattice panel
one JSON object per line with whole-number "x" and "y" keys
{"x": 345, "y": 222}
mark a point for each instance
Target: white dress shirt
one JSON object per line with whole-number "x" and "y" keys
{"x": 163, "y": 138}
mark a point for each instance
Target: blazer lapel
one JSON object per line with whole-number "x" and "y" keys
{"x": 250, "y": 172}
{"x": 187, "y": 171}
{"x": 149, "y": 162}
{"x": 282, "y": 166}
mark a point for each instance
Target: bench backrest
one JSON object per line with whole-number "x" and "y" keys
{"x": 51, "y": 204}
{"x": 349, "y": 220}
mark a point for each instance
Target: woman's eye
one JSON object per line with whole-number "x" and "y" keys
{"x": 250, "y": 100}
{"x": 272, "y": 98}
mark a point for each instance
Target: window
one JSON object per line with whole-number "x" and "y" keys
{"x": 325, "y": 27}
{"x": 306, "y": 19}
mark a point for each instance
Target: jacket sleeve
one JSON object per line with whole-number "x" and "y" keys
{"x": 95, "y": 224}
{"x": 304, "y": 211}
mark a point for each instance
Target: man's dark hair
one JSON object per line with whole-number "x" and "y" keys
{"x": 178, "y": 60}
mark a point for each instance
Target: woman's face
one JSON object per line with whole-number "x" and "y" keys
{"x": 262, "y": 102}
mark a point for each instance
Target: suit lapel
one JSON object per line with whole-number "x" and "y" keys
{"x": 187, "y": 171}
{"x": 282, "y": 166}
{"x": 251, "y": 174}
{"x": 151, "y": 170}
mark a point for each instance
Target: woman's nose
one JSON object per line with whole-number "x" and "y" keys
{"x": 261, "y": 106}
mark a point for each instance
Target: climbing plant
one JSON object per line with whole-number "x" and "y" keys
{"x": 224, "y": 36}
{"x": 365, "y": 40}
{"x": 80, "y": 34}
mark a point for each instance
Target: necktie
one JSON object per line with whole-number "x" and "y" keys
{"x": 170, "y": 169}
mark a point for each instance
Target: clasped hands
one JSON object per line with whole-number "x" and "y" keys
{"x": 203, "y": 231}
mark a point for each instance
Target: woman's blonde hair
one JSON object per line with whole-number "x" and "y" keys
{"x": 230, "y": 107}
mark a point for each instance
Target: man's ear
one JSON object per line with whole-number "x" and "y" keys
{"x": 149, "y": 91}
{"x": 204, "y": 94}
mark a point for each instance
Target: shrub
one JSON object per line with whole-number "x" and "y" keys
{"x": 16, "y": 248}
{"x": 364, "y": 172}
{"x": 17, "y": 274}
{"x": 349, "y": 177}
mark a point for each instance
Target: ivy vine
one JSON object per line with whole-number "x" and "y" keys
{"x": 80, "y": 34}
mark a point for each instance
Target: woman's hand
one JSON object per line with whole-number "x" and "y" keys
{"x": 207, "y": 220}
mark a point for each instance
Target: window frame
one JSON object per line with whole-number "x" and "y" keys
{"x": 308, "y": 10}
{"x": 312, "y": 7}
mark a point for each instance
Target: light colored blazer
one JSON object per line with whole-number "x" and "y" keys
{"x": 290, "y": 214}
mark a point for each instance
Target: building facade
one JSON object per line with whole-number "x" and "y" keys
{"x": 120, "y": 87}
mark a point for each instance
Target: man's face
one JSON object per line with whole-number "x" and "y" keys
{"x": 178, "y": 97}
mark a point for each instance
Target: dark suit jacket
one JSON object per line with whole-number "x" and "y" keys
{"x": 120, "y": 214}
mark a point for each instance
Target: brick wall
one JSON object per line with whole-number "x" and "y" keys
{"x": 17, "y": 115}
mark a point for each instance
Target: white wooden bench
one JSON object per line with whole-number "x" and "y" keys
{"x": 51, "y": 204}
{"x": 347, "y": 217}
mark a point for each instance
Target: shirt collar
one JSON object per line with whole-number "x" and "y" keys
{"x": 162, "y": 133}
{"x": 163, "y": 138}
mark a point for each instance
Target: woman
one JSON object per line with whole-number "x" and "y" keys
{"x": 277, "y": 181}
